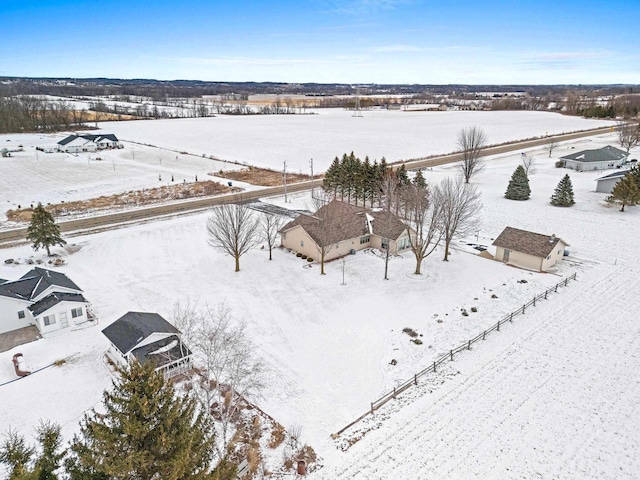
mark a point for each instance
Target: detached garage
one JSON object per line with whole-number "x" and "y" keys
{"x": 533, "y": 251}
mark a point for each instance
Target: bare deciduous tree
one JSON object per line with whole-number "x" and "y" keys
{"x": 233, "y": 229}
{"x": 471, "y": 141}
{"x": 459, "y": 205}
{"x": 270, "y": 225}
{"x": 628, "y": 134}
{"x": 391, "y": 199}
{"x": 227, "y": 372}
{"x": 322, "y": 224}
{"x": 528, "y": 163}
{"x": 551, "y": 146}
{"x": 424, "y": 217}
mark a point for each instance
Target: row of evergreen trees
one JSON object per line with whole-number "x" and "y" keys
{"x": 147, "y": 431}
{"x": 358, "y": 181}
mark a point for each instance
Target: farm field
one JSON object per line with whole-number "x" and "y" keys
{"x": 329, "y": 346}
{"x": 268, "y": 140}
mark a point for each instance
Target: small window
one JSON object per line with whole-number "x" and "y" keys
{"x": 76, "y": 312}
{"x": 284, "y": 236}
{"x": 385, "y": 243}
{"x": 548, "y": 257}
{"x": 302, "y": 243}
{"x": 49, "y": 320}
{"x": 21, "y": 314}
{"x": 365, "y": 239}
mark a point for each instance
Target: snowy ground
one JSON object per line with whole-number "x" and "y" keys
{"x": 33, "y": 176}
{"x": 540, "y": 402}
{"x": 268, "y": 140}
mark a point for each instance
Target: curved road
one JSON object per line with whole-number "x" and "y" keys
{"x": 118, "y": 219}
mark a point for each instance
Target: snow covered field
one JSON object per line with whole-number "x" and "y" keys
{"x": 550, "y": 396}
{"x": 30, "y": 176}
{"x": 268, "y": 140}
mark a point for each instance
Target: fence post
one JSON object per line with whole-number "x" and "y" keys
{"x": 556, "y": 288}
{"x": 566, "y": 280}
{"x": 451, "y": 353}
{"x": 371, "y": 408}
{"x": 434, "y": 366}
{"x": 545, "y": 294}
{"x": 510, "y": 319}
{"x": 394, "y": 392}
{"x": 469, "y": 347}
{"x": 523, "y": 307}
{"x": 415, "y": 379}
{"x": 499, "y": 324}
{"x": 534, "y": 301}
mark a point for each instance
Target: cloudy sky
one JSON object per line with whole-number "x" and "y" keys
{"x": 359, "y": 41}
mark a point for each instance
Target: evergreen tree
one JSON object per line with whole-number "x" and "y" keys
{"x": 635, "y": 173}
{"x": 146, "y": 432}
{"x": 518, "y": 188}
{"x": 403, "y": 177}
{"x": 626, "y": 192}
{"x": 419, "y": 180}
{"x": 15, "y": 453}
{"x": 43, "y": 232}
{"x": 563, "y": 194}
{"x": 331, "y": 177}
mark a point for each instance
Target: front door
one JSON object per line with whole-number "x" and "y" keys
{"x": 506, "y": 255}
{"x": 63, "y": 320}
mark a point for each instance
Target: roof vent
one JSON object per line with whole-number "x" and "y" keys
{"x": 552, "y": 238}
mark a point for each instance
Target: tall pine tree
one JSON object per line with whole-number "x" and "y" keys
{"x": 563, "y": 194}
{"x": 146, "y": 432}
{"x": 518, "y": 188}
{"x": 43, "y": 231}
{"x": 626, "y": 192}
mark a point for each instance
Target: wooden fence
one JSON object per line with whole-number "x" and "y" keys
{"x": 449, "y": 356}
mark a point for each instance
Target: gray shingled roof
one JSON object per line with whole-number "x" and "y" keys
{"x": 34, "y": 282}
{"x": 618, "y": 174}
{"x": 52, "y": 300}
{"x": 338, "y": 221}
{"x": 133, "y": 327}
{"x": 68, "y": 139}
{"x": 604, "y": 154}
{"x": 527, "y": 242}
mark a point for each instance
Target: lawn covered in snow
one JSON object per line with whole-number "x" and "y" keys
{"x": 536, "y": 401}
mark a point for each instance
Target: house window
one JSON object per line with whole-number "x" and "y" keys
{"x": 284, "y": 236}
{"x": 76, "y": 312}
{"x": 21, "y": 314}
{"x": 385, "y": 243}
{"x": 548, "y": 257}
{"x": 49, "y": 320}
{"x": 364, "y": 239}
{"x": 302, "y": 243}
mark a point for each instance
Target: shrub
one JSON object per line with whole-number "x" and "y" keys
{"x": 410, "y": 331}
{"x": 417, "y": 341}
{"x": 309, "y": 259}
{"x": 474, "y": 309}
{"x": 304, "y": 257}
{"x": 277, "y": 436}
{"x": 465, "y": 313}
{"x": 559, "y": 164}
{"x": 298, "y": 254}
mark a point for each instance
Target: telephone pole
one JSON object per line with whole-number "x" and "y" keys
{"x": 284, "y": 177}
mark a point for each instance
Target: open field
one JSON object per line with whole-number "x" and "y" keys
{"x": 268, "y": 140}
{"x": 329, "y": 346}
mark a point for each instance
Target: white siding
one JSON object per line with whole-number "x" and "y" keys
{"x": 9, "y": 319}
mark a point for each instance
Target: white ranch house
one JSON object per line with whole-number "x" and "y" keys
{"x": 529, "y": 250}
{"x": 147, "y": 337}
{"x": 88, "y": 143}
{"x": 599, "y": 159}
{"x": 44, "y": 298}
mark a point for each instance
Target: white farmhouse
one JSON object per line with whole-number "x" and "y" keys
{"x": 44, "y": 298}
{"x": 533, "y": 251}
{"x": 88, "y": 143}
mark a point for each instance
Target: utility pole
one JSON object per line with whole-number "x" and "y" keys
{"x": 284, "y": 178}
{"x": 311, "y": 164}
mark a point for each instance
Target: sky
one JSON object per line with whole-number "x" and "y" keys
{"x": 325, "y": 41}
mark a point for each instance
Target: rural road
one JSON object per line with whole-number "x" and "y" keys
{"x": 113, "y": 220}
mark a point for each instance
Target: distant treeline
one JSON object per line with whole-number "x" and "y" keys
{"x": 30, "y": 114}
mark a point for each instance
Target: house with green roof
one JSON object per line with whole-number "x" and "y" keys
{"x": 596, "y": 159}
